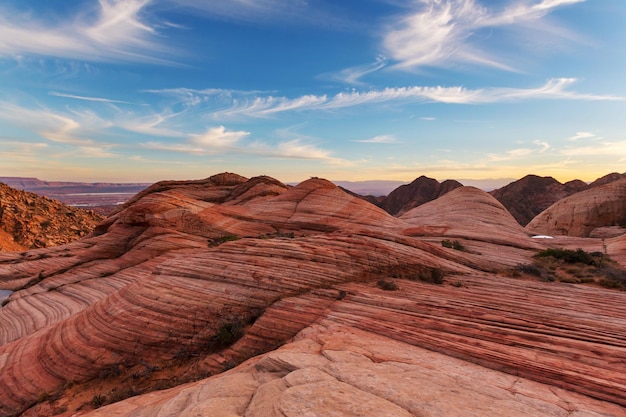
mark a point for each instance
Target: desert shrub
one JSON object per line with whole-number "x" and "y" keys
{"x": 614, "y": 277}
{"x": 228, "y": 334}
{"x": 433, "y": 275}
{"x": 221, "y": 240}
{"x": 456, "y": 245}
{"x": 568, "y": 256}
{"x": 530, "y": 269}
{"x": 98, "y": 400}
{"x": 387, "y": 285}
{"x": 110, "y": 371}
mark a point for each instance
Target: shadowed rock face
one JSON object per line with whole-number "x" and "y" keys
{"x": 191, "y": 279}
{"x": 583, "y": 213}
{"x": 614, "y": 176}
{"x": 529, "y": 196}
{"x": 420, "y": 191}
{"x": 28, "y": 220}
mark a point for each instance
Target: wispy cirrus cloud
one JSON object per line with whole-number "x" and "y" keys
{"x": 555, "y": 89}
{"x": 447, "y": 32}
{"x": 112, "y": 31}
{"x": 288, "y": 12}
{"x": 354, "y": 74}
{"x": 86, "y": 98}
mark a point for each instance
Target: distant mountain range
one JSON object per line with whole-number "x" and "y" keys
{"x": 524, "y": 198}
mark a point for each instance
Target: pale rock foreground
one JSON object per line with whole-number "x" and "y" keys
{"x": 191, "y": 279}
{"x": 336, "y": 370}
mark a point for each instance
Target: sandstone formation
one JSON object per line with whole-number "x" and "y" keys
{"x": 28, "y": 220}
{"x": 529, "y": 196}
{"x": 420, "y": 191}
{"x": 583, "y": 213}
{"x": 252, "y": 298}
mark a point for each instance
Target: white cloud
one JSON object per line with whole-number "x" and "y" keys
{"x": 428, "y": 119}
{"x": 379, "y": 139}
{"x": 444, "y": 32}
{"x": 94, "y": 152}
{"x": 605, "y": 148}
{"x": 53, "y": 126}
{"x": 519, "y": 153}
{"x": 543, "y": 146}
{"x": 582, "y": 135}
{"x": 219, "y": 140}
{"x": 218, "y": 137}
{"x": 114, "y": 31}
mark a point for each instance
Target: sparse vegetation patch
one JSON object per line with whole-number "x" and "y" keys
{"x": 454, "y": 244}
{"x": 575, "y": 267}
{"x": 221, "y": 240}
{"x": 387, "y": 285}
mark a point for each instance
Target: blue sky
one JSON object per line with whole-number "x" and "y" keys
{"x": 144, "y": 90}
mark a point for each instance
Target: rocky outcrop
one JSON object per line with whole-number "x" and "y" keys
{"x": 529, "y": 196}
{"x": 420, "y": 191}
{"x": 614, "y": 176}
{"x": 583, "y": 213}
{"x": 28, "y": 220}
{"x": 341, "y": 370}
{"x": 101, "y": 197}
{"x": 249, "y": 297}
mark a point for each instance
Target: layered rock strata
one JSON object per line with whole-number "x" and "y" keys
{"x": 190, "y": 279}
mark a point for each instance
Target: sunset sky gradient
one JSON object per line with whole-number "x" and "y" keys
{"x": 145, "y": 90}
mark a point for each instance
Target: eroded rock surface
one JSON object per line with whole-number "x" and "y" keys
{"x": 582, "y": 213}
{"x": 190, "y": 279}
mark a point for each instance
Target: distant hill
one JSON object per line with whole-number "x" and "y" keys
{"x": 614, "y": 176}
{"x": 420, "y": 191}
{"x": 529, "y": 196}
{"x": 28, "y": 220}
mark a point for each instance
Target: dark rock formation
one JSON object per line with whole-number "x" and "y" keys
{"x": 420, "y": 191}
{"x": 529, "y": 196}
